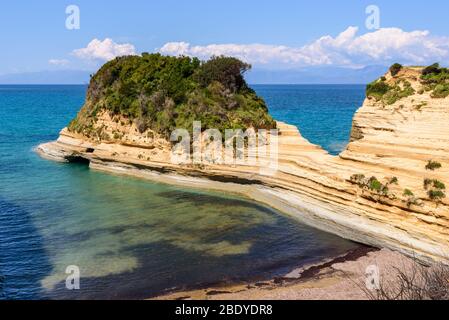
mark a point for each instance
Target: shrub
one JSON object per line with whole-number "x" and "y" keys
{"x": 381, "y": 91}
{"x": 375, "y": 185}
{"x": 436, "y": 79}
{"x": 436, "y": 76}
{"x": 420, "y": 105}
{"x": 226, "y": 70}
{"x": 377, "y": 89}
{"x": 436, "y": 195}
{"x": 441, "y": 91}
{"x": 396, "y": 93}
{"x": 439, "y": 185}
{"x": 427, "y": 183}
{"x": 395, "y": 69}
{"x": 372, "y": 184}
{"x": 432, "y": 69}
{"x": 410, "y": 198}
{"x": 393, "y": 180}
{"x": 433, "y": 165}
{"x": 434, "y": 183}
{"x": 412, "y": 281}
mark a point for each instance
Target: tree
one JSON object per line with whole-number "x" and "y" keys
{"x": 226, "y": 70}
{"x": 394, "y": 69}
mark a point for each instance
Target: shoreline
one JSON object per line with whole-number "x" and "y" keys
{"x": 336, "y": 278}
{"x": 340, "y": 278}
{"x": 305, "y": 210}
{"x": 330, "y": 206}
{"x": 306, "y": 272}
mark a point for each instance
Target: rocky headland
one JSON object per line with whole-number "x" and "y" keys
{"x": 386, "y": 189}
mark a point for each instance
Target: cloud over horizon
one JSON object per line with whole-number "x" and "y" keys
{"x": 383, "y": 46}
{"x": 104, "y": 50}
{"x": 59, "y": 62}
{"x": 349, "y": 49}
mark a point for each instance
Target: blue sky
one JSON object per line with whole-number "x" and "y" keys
{"x": 35, "y": 38}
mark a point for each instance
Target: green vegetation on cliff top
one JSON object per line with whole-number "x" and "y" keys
{"x": 436, "y": 79}
{"x": 433, "y": 78}
{"x": 165, "y": 93}
{"x": 389, "y": 94}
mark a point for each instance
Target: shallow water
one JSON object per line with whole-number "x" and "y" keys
{"x": 129, "y": 237}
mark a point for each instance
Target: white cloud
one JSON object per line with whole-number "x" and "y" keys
{"x": 59, "y": 62}
{"x": 104, "y": 50}
{"x": 347, "y": 49}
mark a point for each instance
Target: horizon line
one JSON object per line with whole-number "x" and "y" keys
{"x": 251, "y": 84}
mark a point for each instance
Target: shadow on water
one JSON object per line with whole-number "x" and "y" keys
{"x": 23, "y": 260}
{"x": 164, "y": 267}
{"x": 185, "y": 271}
{"x": 202, "y": 199}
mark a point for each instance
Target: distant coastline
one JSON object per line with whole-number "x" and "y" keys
{"x": 255, "y": 77}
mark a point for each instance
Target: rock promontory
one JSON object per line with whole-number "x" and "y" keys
{"x": 386, "y": 189}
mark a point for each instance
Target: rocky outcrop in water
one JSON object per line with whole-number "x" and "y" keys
{"x": 386, "y": 189}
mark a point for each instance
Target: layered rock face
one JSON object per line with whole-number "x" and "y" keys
{"x": 378, "y": 191}
{"x": 402, "y": 140}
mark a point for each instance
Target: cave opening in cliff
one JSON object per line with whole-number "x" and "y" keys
{"x": 78, "y": 159}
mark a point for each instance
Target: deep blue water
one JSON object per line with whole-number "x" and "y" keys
{"x": 132, "y": 238}
{"x": 323, "y": 113}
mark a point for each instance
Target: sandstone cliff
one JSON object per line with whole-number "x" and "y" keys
{"x": 386, "y": 189}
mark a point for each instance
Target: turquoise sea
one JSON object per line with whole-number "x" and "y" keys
{"x": 133, "y": 238}
{"x": 323, "y": 113}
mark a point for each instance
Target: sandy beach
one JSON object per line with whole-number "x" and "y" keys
{"x": 342, "y": 278}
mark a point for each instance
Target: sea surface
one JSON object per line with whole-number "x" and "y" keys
{"x": 131, "y": 238}
{"x": 323, "y": 113}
